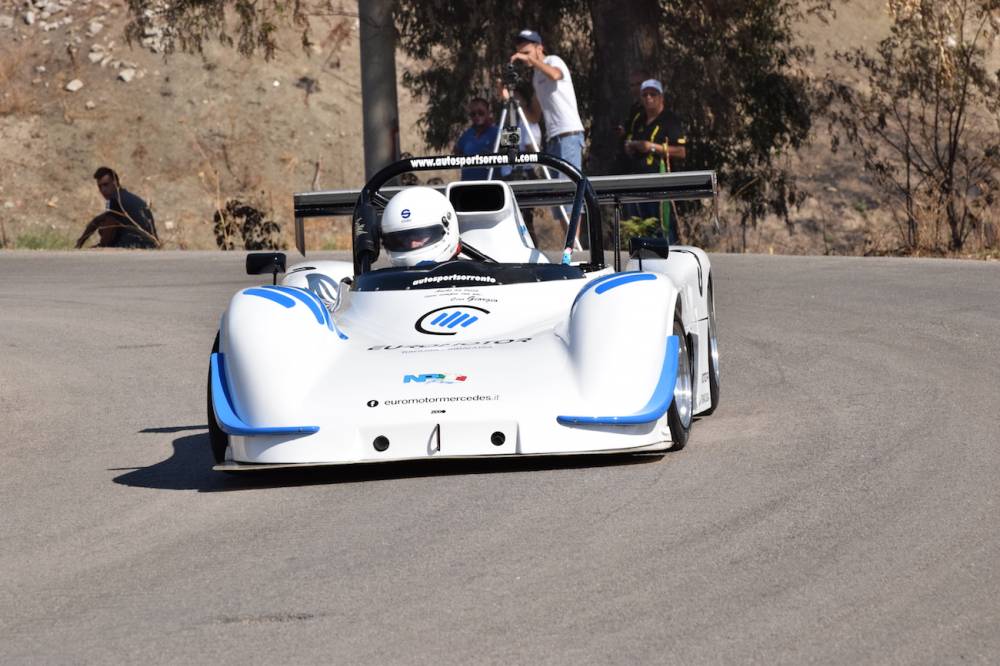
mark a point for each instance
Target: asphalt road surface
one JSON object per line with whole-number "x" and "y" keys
{"x": 841, "y": 506}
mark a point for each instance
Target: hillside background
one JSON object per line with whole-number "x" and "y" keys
{"x": 189, "y": 132}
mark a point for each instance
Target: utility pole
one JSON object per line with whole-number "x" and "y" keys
{"x": 378, "y": 84}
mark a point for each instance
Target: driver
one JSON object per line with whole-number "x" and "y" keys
{"x": 419, "y": 226}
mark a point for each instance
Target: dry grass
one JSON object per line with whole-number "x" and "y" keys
{"x": 44, "y": 238}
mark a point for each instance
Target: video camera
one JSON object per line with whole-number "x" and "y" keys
{"x": 511, "y": 75}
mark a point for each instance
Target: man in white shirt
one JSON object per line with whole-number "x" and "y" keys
{"x": 554, "y": 98}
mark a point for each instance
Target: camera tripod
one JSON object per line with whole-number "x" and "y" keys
{"x": 510, "y": 137}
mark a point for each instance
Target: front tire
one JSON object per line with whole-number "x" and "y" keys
{"x": 216, "y": 436}
{"x": 681, "y": 409}
{"x": 713, "y": 350}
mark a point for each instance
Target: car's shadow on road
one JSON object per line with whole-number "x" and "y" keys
{"x": 190, "y": 468}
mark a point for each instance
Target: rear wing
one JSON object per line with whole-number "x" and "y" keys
{"x": 611, "y": 190}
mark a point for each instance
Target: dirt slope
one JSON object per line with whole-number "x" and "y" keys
{"x": 182, "y": 133}
{"x": 189, "y": 131}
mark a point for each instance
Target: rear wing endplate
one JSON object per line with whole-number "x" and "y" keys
{"x": 611, "y": 190}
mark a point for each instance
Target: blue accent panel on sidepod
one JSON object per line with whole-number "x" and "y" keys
{"x": 270, "y": 295}
{"x": 624, "y": 279}
{"x": 313, "y": 303}
{"x": 601, "y": 280}
{"x": 655, "y": 407}
{"x": 225, "y": 414}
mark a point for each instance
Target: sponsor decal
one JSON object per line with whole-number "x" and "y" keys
{"x": 436, "y": 400}
{"x": 405, "y": 214}
{"x": 448, "y": 346}
{"x": 434, "y": 378}
{"x": 461, "y": 294}
{"x": 448, "y": 278}
{"x": 472, "y": 160}
{"x": 449, "y": 319}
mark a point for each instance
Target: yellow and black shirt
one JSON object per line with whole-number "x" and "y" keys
{"x": 665, "y": 128}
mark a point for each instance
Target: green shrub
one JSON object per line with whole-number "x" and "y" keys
{"x": 634, "y": 227}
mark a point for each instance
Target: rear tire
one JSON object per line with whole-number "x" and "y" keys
{"x": 713, "y": 351}
{"x": 216, "y": 436}
{"x": 682, "y": 407}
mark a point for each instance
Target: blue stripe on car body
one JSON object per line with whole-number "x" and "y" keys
{"x": 313, "y": 303}
{"x": 280, "y": 294}
{"x": 280, "y": 299}
{"x": 330, "y": 323}
{"x": 225, "y": 413}
{"x": 623, "y": 279}
{"x": 617, "y": 279}
{"x": 655, "y": 407}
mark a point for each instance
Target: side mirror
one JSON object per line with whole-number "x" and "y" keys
{"x": 658, "y": 246}
{"x": 260, "y": 263}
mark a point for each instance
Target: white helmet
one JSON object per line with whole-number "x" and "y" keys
{"x": 419, "y": 225}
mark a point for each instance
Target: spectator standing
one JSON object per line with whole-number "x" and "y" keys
{"x": 478, "y": 139}
{"x": 554, "y": 99}
{"x": 126, "y": 221}
{"x": 654, "y": 141}
{"x": 635, "y": 79}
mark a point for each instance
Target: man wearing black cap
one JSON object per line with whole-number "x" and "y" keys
{"x": 554, "y": 100}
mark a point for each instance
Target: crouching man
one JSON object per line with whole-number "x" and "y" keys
{"x": 126, "y": 220}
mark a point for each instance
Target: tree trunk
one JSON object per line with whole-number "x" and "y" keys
{"x": 380, "y": 111}
{"x": 626, "y": 38}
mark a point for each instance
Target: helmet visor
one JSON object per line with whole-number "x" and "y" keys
{"x": 412, "y": 239}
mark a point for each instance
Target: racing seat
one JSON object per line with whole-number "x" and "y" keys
{"x": 490, "y": 221}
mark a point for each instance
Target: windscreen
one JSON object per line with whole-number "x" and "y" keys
{"x": 476, "y": 198}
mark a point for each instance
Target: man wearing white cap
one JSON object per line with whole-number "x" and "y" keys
{"x": 554, "y": 99}
{"x": 654, "y": 142}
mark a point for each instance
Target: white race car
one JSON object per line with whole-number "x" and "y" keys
{"x": 497, "y": 352}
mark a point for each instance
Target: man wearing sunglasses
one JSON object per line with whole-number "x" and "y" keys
{"x": 478, "y": 139}
{"x": 654, "y": 143}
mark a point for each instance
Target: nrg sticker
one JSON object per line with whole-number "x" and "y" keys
{"x": 434, "y": 378}
{"x": 449, "y": 319}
